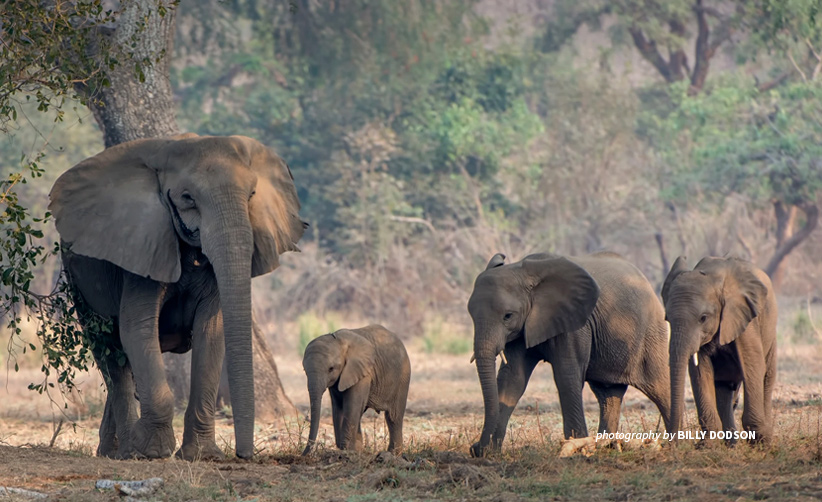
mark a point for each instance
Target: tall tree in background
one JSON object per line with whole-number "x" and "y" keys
{"x": 759, "y": 119}
{"x": 128, "y": 51}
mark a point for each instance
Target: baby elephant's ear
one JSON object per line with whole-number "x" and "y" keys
{"x": 496, "y": 261}
{"x": 679, "y": 266}
{"x": 360, "y": 358}
{"x": 743, "y": 297}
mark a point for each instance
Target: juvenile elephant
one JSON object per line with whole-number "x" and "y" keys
{"x": 163, "y": 237}
{"x": 723, "y": 320}
{"x": 595, "y": 318}
{"x": 362, "y": 368}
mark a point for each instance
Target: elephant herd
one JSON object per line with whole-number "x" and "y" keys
{"x": 163, "y": 236}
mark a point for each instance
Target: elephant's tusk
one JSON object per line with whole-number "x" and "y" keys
{"x": 502, "y": 355}
{"x": 473, "y": 358}
{"x": 696, "y": 361}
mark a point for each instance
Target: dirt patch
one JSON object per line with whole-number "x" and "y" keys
{"x": 444, "y": 419}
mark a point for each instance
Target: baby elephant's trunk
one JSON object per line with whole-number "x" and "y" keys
{"x": 316, "y": 389}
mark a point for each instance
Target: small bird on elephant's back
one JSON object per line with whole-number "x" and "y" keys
{"x": 362, "y": 368}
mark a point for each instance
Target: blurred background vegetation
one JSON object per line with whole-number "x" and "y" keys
{"x": 427, "y": 135}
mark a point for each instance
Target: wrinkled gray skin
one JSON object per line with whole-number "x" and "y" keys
{"x": 595, "y": 318}
{"x": 158, "y": 231}
{"x": 724, "y": 311}
{"x": 362, "y": 368}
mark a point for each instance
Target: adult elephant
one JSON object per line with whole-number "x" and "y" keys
{"x": 163, "y": 237}
{"x": 723, "y": 329}
{"x": 595, "y": 318}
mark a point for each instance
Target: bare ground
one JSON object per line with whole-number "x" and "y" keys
{"x": 444, "y": 418}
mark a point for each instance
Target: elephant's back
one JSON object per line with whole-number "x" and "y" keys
{"x": 381, "y": 337}
{"x": 393, "y": 368}
{"x": 629, "y": 313}
{"x": 612, "y": 271}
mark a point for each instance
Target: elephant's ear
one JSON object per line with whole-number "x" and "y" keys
{"x": 274, "y": 208}
{"x": 360, "y": 359}
{"x": 743, "y": 296}
{"x": 679, "y": 266}
{"x": 496, "y": 261}
{"x": 562, "y": 297}
{"x": 109, "y": 207}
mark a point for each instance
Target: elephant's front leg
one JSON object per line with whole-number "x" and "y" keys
{"x": 512, "y": 380}
{"x": 754, "y": 410}
{"x": 569, "y": 359}
{"x": 336, "y": 417}
{"x": 703, "y": 385}
{"x": 152, "y": 435}
{"x": 355, "y": 400}
{"x": 208, "y": 350}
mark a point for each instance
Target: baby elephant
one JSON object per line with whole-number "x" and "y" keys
{"x": 723, "y": 330}
{"x": 362, "y": 368}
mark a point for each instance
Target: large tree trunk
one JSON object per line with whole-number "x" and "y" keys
{"x": 140, "y": 104}
{"x": 271, "y": 403}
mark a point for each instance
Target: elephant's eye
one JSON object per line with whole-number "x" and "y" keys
{"x": 703, "y": 318}
{"x": 187, "y": 198}
{"x": 508, "y": 316}
{"x": 330, "y": 369}
{"x": 253, "y": 192}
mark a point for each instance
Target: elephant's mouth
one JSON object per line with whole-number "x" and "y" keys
{"x": 192, "y": 235}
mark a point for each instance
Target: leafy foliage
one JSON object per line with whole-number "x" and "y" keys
{"x": 45, "y": 54}
{"x": 52, "y": 56}
{"x": 763, "y": 144}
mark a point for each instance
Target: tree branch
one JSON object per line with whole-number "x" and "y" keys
{"x": 773, "y": 83}
{"x": 811, "y": 221}
{"x": 648, "y": 50}
{"x": 412, "y": 219}
{"x": 703, "y": 52}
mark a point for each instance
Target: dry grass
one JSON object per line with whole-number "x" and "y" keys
{"x": 444, "y": 418}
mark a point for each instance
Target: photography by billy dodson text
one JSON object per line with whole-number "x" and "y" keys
{"x": 670, "y": 436}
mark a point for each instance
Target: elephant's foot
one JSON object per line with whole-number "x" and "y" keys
{"x": 761, "y": 436}
{"x": 479, "y": 450}
{"x": 200, "y": 448}
{"x": 152, "y": 441}
{"x": 108, "y": 448}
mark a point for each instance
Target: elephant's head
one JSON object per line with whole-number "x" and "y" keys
{"x": 342, "y": 359}
{"x": 538, "y": 298}
{"x": 232, "y": 197}
{"x": 709, "y": 305}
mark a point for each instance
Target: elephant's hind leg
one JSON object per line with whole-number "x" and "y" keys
{"x": 609, "y": 397}
{"x": 120, "y": 411}
{"x": 393, "y": 421}
{"x": 727, "y": 395}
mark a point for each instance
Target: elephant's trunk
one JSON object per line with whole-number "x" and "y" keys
{"x": 316, "y": 389}
{"x": 486, "y": 369}
{"x": 228, "y": 243}
{"x": 680, "y": 352}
